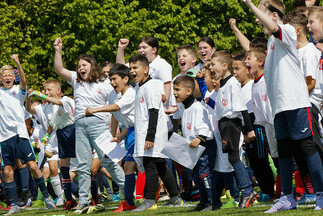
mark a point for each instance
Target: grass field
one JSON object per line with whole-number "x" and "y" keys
{"x": 180, "y": 211}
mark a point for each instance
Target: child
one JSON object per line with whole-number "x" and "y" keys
{"x": 90, "y": 89}
{"x": 230, "y": 110}
{"x": 59, "y": 114}
{"x": 315, "y": 23}
{"x": 105, "y": 68}
{"x": 14, "y": 137}
{"x": 196, "y": 128}
{"x": 290, "y": 102}
{"x": 121, "y": 104}
{"x": 205, "y": 49}
{"x": 151, "y": 133}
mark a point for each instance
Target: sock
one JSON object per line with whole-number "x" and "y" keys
{"x": 300, "y": 189}
{"x": 278, "y": 186}
{"x": 24, "y": 178}
{"x": 105, "y": 182}
{"x": 286, "y": 174}
{"x": 12, "y": 193}
{"x": 207, "y": 185}
{"x": 140, "y": 185}
{"x": 94, "y": 187}
{"x": 32, "y": 187}
{"x": 40, "y": 182}
{"x": 242, "y": 178}
{"x": 75, "y": 187}
{"x": 66, "y": 179}
{"x": 315, "y": 167}
{"x": 115, "y": 187}
{"x": 56, "y": 183}
{"x": 308, "y": 183}
{"x": 129, "y": 187}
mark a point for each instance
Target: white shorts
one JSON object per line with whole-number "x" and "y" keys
{"x": 73, "y": 164}
{"x": 52, "y": 144}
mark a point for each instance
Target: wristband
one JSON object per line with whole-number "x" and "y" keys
{"x": 45, "y": 138}
{"x": 38, "y": 94}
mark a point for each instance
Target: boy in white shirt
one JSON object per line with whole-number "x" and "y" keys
{"x": 122, "y": 106}
{"x": 59, "y": 112}
{"x": 14, "y": 138}
{"x": 196, "y": 128}
{"x": 151, "y": 133}
{"x": 290, "y": 102}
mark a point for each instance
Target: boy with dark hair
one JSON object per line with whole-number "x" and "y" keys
{"x": 196, "y": 128}
{"x": 290, "y": 102}
{"x": 151, "y": 133}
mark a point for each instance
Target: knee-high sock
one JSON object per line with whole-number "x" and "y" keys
{"x": 40, "y": 182}
{"x": 140, "y": 184}
{"x": 94, "y": 187}
{"x": 65, "y": 171}
{"x": 286, "y": 174}
{"x": 56, "y": 183}
{"x": 12, "y": 192}
{"x": 24, "y": 178}
{"x": 300, "y": 189}
{"x": 130, "y": 182}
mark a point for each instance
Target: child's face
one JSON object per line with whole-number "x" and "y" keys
{"x": 181, "y": 93}
{"x": 217, "y": 68}
{"x": 216, "y": 84}
{"x": 105, "y": 70}
{"x": 315, "y": 27}
{"x": 252, "y": 63}
{"x": 185, "y": 60}
{"x": 84, "y": 68}
{"x": 208, "y": 78}
{"x": 138, "y": 72}
{"x": 240, "y": 71}
{"x": 205, "y": 51}
{"x": 147, "y": 51}
{"x": 52, "y": 90}
{"x": 118, "y": 83}
{"x": 8, "y": 78}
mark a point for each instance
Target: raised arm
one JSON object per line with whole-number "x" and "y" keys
{"x": 22, "y": 84}
{"x": 122, "y": 45}
{"x": 58, "y": 62}
{"x": 29, "y": 108}
{"x": 243, "y": 40}
{"x": 266, "y": 20}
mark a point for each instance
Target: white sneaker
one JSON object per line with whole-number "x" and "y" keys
{"x": 13, "y": 210}
{"x": 283, "y": 203}
{"x": 60, "y": 200}
{"x": 319, "y": 201}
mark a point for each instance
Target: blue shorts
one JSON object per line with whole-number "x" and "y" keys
{"x": 66, "y": 141}
{"x": 130, "y": 143}
{"x": 16, "y": 147}
{"x": 293, "y": 124}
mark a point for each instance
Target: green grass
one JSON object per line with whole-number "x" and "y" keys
{"x": 184, "y": 210}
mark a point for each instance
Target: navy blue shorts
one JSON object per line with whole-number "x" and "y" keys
{"x": 293, "y": 124}
{"x": 16, "y": 147}
{"x": 130, "y": 143}
{"x": 66, "y": 142}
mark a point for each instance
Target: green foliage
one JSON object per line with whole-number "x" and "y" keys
{"x": 30, "y": 27}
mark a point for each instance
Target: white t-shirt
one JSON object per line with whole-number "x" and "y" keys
{"x": 261, "y": 103}
{"x": 58, "y": 116}
{"x": 126, "y": 114}
{"x": 247, "y": 95}
{"x": 148, "y": 97}
{"x": 230, "y": 102}
{"x": 90, "y": 95}
{"x": 12, "y": 115}
{"x": 160, "y": 69}
{"x": 195, "y": 122}
{"x": 286, "y": 85}
{"x": 310, "y": 58}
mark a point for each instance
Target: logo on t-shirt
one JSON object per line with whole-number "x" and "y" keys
{"x": 59, "y": 113}
{"x": 272, "y": 46}
{"x": 224, "y": 102}
{"x": 141, "y": 99}
{"x": 100, "y": 91}
{"x": 13, "y": 93}
{"x": 264, "y": 97}
{"x": 189, "y": 126}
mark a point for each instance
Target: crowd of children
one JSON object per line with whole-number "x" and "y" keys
{"x": 257, "y": 113}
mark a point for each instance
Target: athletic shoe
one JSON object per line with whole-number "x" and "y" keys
{"x": 104, "y": 197}
{"x": 13, "y": 210}
{"x": 49, "y": 203}
{"x": 69, "y": 205}
{"x": 319, "y": 201}
{"x": 38, "y": 203}
{"x": 95, "y": 201}
{"x": 247, "y": 201}
{"x": 263, "y": 197}
{"x": 23, "y": 198}
{"x": 96, "y": 208}
{"x": 178, "y": 202}
{"x": 307, "y": 198}
{"x": 60, "y": 200}
{"x": 8, "y": 208}
{"x": 200, "y": 207}
{"x": 231, "y": 204}
{"x": 283, "y": 203}
{"x": 28, "y": 204}
{"x": 116, "y": 197}
{"x": 145, "y": 206}
{"x": 124, "y": 206}
{"x": 81, "y": 208}
{"x": 3, "y": 205}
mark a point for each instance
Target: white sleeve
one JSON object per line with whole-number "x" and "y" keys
{"x": 201, "y": 126}
{"x": 165, "y": 72}
{"x": 73, "y": 79}
{"x": 153, "y": 96}
{"x": 312, "y": 63}
{"x": 41, "y": 117}
{"x": 68, "y": 104}
{"x": 238, "y": 103}
{"x": 127, "y": 100}
{"x": 288, "y": 35}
